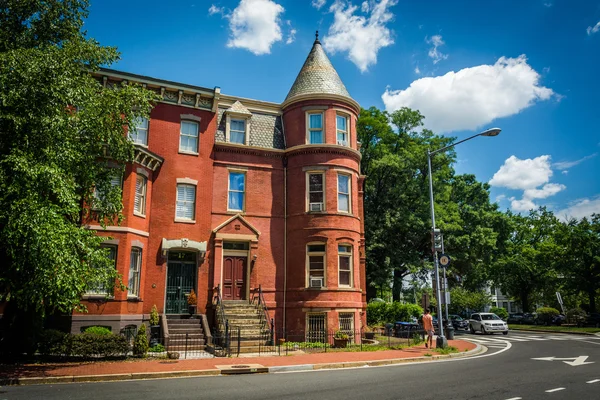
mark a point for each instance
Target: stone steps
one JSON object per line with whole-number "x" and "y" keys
{"x": 248, "y": 318}
{"x": 179, "y": 327}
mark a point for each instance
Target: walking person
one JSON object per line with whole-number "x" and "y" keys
{"x": 428, "y": 327}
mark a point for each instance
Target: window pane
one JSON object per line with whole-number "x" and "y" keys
{"x": 236, "y": 200}
{"x": 343, "y": 181}
{"x": 237, "y": 137}
{"x": 342, "y": 248}
{"x": 315, "y": 182}
{"x": 316, "y": 137}
{"x": 315, "y": 198}
{"x": 343, "y": 203}
{"x": 237, "y": 125}
{"x": 316, "y": 121}
{"x": 189, "y": 128}
{"x": 316, "y": 248}
{"x": 345, "y": 278}
{"x": 341, "y": 123}
{"x": 236, "y": 181}
{"x": 345, "y": 263}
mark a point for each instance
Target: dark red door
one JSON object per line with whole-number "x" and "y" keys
{"x": 234, "y": 278}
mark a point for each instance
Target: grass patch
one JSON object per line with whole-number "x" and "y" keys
{"x": 447, "y": 350}
{"x": 564, "y": 329}
{"x": 428, "y": 354}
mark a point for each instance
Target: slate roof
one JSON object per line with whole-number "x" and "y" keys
{"x": 266, "y": 130}
{"x": 317, "y": 76}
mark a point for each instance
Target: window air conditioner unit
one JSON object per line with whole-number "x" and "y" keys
{"x": 316, "y": 206}
{"x": 342, "y": 142}
{"x": 316, "y": 282}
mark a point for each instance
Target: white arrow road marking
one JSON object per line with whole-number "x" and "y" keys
{"x": 594, "y": 381}
{"x": 515, "y": 398}
{"x": 554, "y": 390}
{"x": 576, "y": 360}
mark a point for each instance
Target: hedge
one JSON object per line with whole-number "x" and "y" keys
{"x": 56, "y": 343}
{"x": 546, "y": 314}
{"x": 500, "y": 311}
{"x": 382, "y": 313}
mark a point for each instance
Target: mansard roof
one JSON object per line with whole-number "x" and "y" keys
{"x": 317, "y": 77}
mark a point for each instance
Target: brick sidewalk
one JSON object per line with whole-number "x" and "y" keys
{"x": 80, "y": 369}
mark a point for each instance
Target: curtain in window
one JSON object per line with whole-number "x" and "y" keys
{"x": 237, "y": 131}
{"x": 342, "y": 136}
{"x": 140, "y": 194}
{"x": 316, "y": 128}
{"x": 344, "y": 193}
{"x": 236, "y": 190}
{"x": 189, "y": 136}
{"x": 135, "y": 264}
{"x": 186, "y": 195}
{"x": 139, "y": 135}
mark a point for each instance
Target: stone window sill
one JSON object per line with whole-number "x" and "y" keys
{"x": 185, "y": 221}
{"x": 189, "y": 153}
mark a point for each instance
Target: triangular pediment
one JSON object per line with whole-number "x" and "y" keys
{"x": 237, "y": 225}
{"x": 238, "y": 108}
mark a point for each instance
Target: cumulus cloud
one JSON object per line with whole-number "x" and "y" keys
{"x": 417, "y": 70}
{"x": 255, "y": 26}
{"x": 215, "y": 10}
{"x": 361, "y": 36}
{"x": 291, "y": 34}
{"x": 471, "y": 97}
{"x": 318, "y": 3}
{"x": 434, "y": 53}
{"x": 565, "y": 165}
{"x": 580, "y": 208}
{"x": 527, "y": 175}
{"x": 591, "y": 30}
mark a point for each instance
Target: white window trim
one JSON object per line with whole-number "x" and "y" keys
{"x": 324, "y": 314}
{"x": 191, "y": 152}
{"x": 147, "y": 129}
{"x": 351, "y": 256}
{"x": 307, "y": 179}
{"x": 107, "y": 293}
{"x": 181, "y": 219}
{"x": 139, "y": 271}
{"x": 235, "y": 171}
{"x": 349, "y": 193}
{"x": 245, "y": 118}
{"x": 347, "y": 131}
{"x": 142, "y": 212}
{"x": 308, "y": 130}
{"x": 316, "y": 253}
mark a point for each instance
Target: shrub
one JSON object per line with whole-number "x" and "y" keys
{"x": 157, "y": 348}
{"x": 154, "y": 316}
{"x": 341, "y": 335}
{"x": 381, "y": 313}
{"x": 98, "y": 330}
{"x": 375, "y": 313}
{"x": 500, "y": 311}
{"x": 545, "y": 315}
{"x": 90, "y": 344}
{"x": 576, "y": 316}
{"x": 140, "y": 345}
{"x": 53, "y": 342}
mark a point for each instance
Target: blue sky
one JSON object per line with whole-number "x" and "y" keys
{"x": 529, "y": 67}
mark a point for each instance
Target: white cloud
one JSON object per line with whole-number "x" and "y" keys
{"x": 434, "y": 53}
{"x": 565, "y": 172}
{"x": 255, "y": 25}
{"x": 590, "y": 30}
{"x": 580, "y": 208}
{"x": 291, "y": 36}
{"x": 471, "y": 97}
{"x": 548, "y": 4}
{"x": 360, "y": 36}
{"x": 527, "y": 175}
{"x": 564, "y": 165}
{"x": 417, "y": 71}
{"x": 215, "y": 10}
{"x": 523, "y": 174}
{"x": 365, "y": 7}
{"x": 318, "y": 3}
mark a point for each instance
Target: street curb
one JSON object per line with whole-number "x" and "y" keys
{"x": 558, "y": 332}
{"x": 214, "y": 372}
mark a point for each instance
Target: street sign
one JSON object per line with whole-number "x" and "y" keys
{"x": 444, "y": 260}
{"x": 576, "y": 361}
{"x": 448, "y": 298}
{"x": 560, "y": 301}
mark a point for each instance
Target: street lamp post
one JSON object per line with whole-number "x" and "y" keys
{"x": 441, "y": 341}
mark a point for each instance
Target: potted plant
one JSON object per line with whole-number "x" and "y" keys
{"x": 154, "y": 327}
{"x": 369, "y": 334}
{"x": 340, "y": 339}
{"x": 192, "y": 301}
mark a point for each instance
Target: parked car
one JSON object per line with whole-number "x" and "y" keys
{"x": 593, "y": 319}
{"x": 515, "y": 318}
{"x": 458, "y": 322}
{"x": 487, "y": 323}
{"x": 549, "y": 320}
{"x": 529, "y": 318}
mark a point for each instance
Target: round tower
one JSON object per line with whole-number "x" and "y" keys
{"x": 325, "y": 268}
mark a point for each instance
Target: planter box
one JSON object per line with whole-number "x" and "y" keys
{"x": 340, "y": 343}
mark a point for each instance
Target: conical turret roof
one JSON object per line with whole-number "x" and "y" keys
{"x": 317, "y": 76}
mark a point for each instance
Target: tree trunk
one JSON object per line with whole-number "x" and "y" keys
{"x": 592, "y": 296}
{"x": 371, "y": 292}
{"x": 397, "y": 288}
{"x": 524, "y": 296}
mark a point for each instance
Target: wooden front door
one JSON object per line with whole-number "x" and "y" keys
{"x": 234, "y": 278}
{"x": 181, "y": 279}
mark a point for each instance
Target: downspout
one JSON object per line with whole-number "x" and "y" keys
{"x": 283, "y": 327}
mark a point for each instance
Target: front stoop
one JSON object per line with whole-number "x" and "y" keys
{"x": 179, "y": 326}
{"x": 247, "y": 318}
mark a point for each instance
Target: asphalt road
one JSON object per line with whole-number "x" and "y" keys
{"x": 506, "y": 371}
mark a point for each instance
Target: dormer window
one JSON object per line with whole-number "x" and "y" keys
{"x": 341, "y": 122}
{"x": 315, "y": 127}
{"x": 237, "y": 131}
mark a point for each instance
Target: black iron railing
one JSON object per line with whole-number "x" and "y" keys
{"x": 267, "y": 323}
{"x": 221, "y": 336}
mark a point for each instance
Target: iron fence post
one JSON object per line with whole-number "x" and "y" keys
{"x": 361, "y": 338}
{"x": 238, "y": 341}
{"x": 186, "y": 345}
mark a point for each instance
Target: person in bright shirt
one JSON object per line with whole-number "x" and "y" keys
{"x": 428, "y": 327}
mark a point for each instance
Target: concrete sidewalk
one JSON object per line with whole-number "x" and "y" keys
{"x": 27, "y": 374}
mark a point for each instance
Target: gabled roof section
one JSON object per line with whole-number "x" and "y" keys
{"x": 229, "y": 226}
{"x": 317, "y": 76}
{"x": 238, "y": 108}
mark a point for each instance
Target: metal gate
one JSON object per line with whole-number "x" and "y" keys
{"x": 181, "y": 279}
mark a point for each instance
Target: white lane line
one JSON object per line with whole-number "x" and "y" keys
{"x": 587, "y": 341}
{"x": 515, "y": 398}
{"x": 554, "y": 390}
{"x": 514, "y": 339}
{"x": 594, "y": 381}
{"x": 495, "y": 346}
{"x": 530, "y": 337}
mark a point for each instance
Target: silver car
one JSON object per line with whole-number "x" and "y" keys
{"x": 487, "y": 323}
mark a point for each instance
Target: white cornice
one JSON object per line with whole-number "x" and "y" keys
{"x": 319, "y": 96}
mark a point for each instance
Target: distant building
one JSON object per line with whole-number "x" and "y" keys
{"x": 499, "y": 299}
{"x": 229, "y": 194}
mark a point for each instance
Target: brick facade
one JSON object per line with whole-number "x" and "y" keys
{"x": 270, "y": 235}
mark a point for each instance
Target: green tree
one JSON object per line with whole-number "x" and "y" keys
{"x": 465, "y": 300}
{"x": 57, "y": 127}
{"x": 527, "y": 268}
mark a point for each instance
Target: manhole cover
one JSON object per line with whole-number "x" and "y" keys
{"x": 240, "y": 366}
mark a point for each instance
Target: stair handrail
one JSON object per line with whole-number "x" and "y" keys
{"x": 265, "y": 315}
{"x": 223, "y": 332}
